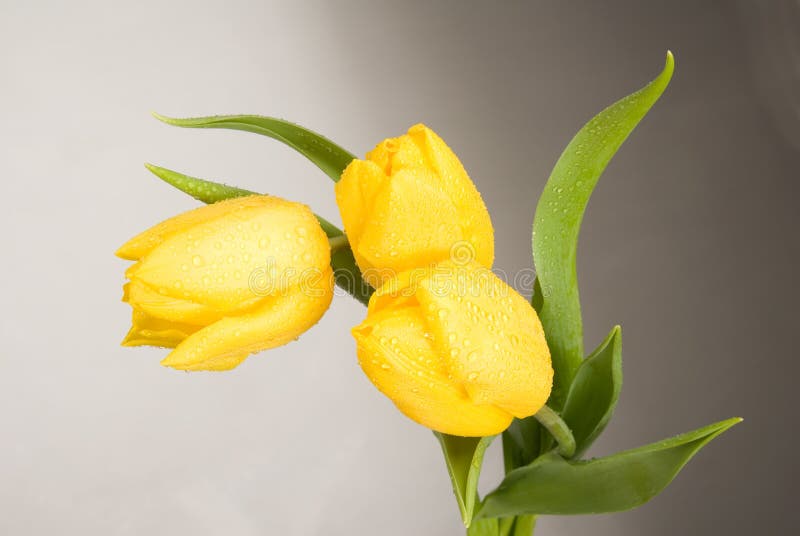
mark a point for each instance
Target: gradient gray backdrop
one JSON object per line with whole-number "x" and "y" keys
{"x": 690, "y": 243}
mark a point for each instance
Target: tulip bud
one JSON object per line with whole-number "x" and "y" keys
{"x": 456, "y": 349}
{"x": 227, "y": 280}
{"x": 408, "y": 204}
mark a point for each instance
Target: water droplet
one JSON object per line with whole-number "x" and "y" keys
{"x": 197, "y": 260}
{"x": 472, "y": 376}
{"x": 263, "y": 242}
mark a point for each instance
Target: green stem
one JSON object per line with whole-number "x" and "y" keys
{"x": 558, "y": 429}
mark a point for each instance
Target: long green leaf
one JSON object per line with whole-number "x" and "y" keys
{"x": 552, "y": 485}
{"x": 557, "y": 223}
{"x": 204, "y": 191}
{"x": 345, "y": 270}
{"x": 594, "y": 392}
{"x": 464, "y": 458}
{"x": 211, "y": 192}
{"x": 328, "y": 156}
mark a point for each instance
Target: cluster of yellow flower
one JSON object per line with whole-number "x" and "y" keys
{"x": 452, "y": 345}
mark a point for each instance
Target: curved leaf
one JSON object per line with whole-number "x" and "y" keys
{"x": 464, "y": 458}
{"x": 211, "y": 192}
{"x": 552, "y": 485}
{"x": 205, "y": 191}
{"x": 594, "y": 392}
{"x": 348, "y": 276}
{"x": 558, "y": 218}
{"x": 345, "y": 270}
{"x": 328, "y": 156}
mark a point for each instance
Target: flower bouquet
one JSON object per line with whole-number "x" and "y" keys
{"x": 455, "y": 347}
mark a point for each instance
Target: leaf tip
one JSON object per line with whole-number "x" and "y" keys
{"x": 669, "y": 65}
{"x": 163, "y": 118}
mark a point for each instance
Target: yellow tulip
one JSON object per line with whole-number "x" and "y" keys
{"x": 409, "y": 204}
{"x": 227, "y": 280}
{"x": 456, "y": 349}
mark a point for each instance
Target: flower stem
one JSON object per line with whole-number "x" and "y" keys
{"x": 558, "y": 429}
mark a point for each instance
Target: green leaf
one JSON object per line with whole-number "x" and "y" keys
{"x": 345, "y": 270}
{"x": 557, "y": 223}
{"x": 205, "y": 191}
{"x": 594, "y": 392}
{"x": 211, "y": 192}
{"x": 328, "y": 156}
{"x": 485, "y": 527}
{"x": 552, "y": 485}
{"x": 521, "y": 442}
{"x": 537, "y": 297}
{"x": 464, "y": 458}
{"x": 524, "y": 525}
{"x": 348, "y": 276}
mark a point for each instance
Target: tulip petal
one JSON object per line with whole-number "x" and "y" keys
{"x": 158, "y": 305}
{"x": 473, "y": 215}
{"x": 396, "y": 154}
{"x": 239, "y": 257}
{"x": 489, "y": 335}
{"x": 396, "y": 354}
{"x": 147, "y": 330}
{"x": 411, "y": 224}
{"x": 278, "y": 320}
{"x": 355, "y": 192}
{"x": 141, "y": 244}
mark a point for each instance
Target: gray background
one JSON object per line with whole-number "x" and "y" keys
{"x": 690, "y": 243}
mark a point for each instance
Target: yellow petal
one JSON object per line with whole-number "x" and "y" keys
{"x": 239, "y": 257}
{"x": 397, "y": 292}
{"x": 472, "y": 213}
{"x": 158, "y": 305}
{"x": 411, "y": 224}
{"x": 147, "y": 330}
{"x": 278, "y": 320}
{"x": 398, "y": 358}
{"x": 395, "y": 154}
{"x": 140, "y": 245}
{"x": 355, "y": 192}
{"x": 490, "y": 337}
